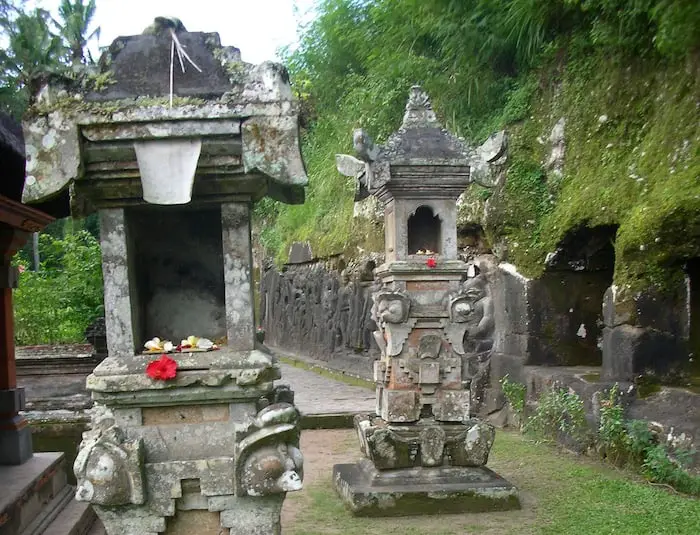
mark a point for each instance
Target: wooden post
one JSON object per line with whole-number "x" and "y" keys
{"x": 17, "y": 222}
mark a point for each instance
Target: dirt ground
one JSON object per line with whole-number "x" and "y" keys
{"x": 316, "y": 510}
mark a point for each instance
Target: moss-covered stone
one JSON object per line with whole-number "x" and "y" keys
{"x": 632, "y": 160}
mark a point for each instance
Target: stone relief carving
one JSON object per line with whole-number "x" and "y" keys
{"x": 400, "y": 446}
{"x": 269, "y": 460}
{"x": 109, "y": 466}
{"x": 471, "y": 330}
{"x": 390, "y": 312}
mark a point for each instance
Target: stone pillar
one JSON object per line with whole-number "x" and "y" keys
{"x": 238, "y": 277}
{"x": 15, "y": 434}
{"x": 117, "y": 288}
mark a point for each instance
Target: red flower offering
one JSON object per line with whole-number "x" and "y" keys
{"x": 431, "y": 262}
{"x": 162, "y": 369}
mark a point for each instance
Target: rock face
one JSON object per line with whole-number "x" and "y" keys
{"x": 434, "y": 328}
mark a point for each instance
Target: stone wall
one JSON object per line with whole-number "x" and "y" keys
{"x": 320, "y": 308}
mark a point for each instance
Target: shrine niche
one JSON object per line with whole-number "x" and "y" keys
{"x": 423, "y": 232}
{"x": 435, "y": 329}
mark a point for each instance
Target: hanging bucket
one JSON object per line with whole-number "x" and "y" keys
{"x": 167, "y": 168}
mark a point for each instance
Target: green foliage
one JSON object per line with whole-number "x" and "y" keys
{"x": 75, "y": 26}
{"x": 515, "y": 394}
{"x": 659, "y": 467}
{"x": 631, "y": 443}
{"x": 522, "y": 64}
{"x": 612, "y": 434}
{"x": 40, "y": 47}
{"x": 559, "y": 415}
{"x": 57, "y": 303}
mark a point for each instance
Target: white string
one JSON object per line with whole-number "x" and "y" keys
{"x": 181, "y": 52}
{"x": 172, "y": 71}
{"x": 175, "y": 45}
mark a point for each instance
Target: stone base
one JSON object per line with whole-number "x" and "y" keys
{"x": 420, "y": 491}
{"x": 15, "y": 446}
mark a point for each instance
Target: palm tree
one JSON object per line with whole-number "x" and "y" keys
{"x": 74, "y": 26}
{"x": 34, "y": 52}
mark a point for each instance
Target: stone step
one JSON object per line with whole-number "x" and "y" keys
{"x": 76, "y": 518}
{"x": 28, "y": 491}
{"x": 97, "y": 528}
{"x": 49, "y": 512}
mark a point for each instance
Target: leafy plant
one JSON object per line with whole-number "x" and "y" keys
{"x": 560, "y": 414}
{"x": 515, "y": 394}
{"x": 632, "y": 443}
{"x": 659, "y": 467}
{"x": 612, "y": 434}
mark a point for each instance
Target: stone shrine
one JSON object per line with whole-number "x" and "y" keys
{"x": 425, "y": 453}
{"x": 171, "y": 143}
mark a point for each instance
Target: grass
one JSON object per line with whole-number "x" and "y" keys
{"x": 561, "y": 493}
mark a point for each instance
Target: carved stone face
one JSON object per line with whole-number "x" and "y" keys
{"x": 391, "y": 309}
{"x": 272, "y": 470}
{"x": 465, "y": 308}
{"x": 103, "y": 479}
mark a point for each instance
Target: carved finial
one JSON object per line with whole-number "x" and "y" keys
{"x": 419, "y": 111}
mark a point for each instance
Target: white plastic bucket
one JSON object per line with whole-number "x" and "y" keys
{"x": 167, "y": 168}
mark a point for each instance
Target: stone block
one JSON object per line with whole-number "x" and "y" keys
{"x": 15, "y": 442}
{"x": 254, "y": 516}
{"x": 400, "y": 405}
{"x": 429, "y": 373}
{"x": 452, "y": 405}
{"x": 418, "y": 491}
{"x": 194, "y": 521}
{"x": 12, "y": 401}
{"x": 630, "y": 351}
{"x": 184, "y": 414}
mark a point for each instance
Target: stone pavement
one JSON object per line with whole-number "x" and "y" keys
{"x": 318, "y": 395}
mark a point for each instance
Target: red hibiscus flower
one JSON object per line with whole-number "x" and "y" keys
{"x": 431, "y": 262}
{"x": 162, "y": 369}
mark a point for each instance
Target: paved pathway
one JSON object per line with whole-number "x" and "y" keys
{"x": 316, "y": 394}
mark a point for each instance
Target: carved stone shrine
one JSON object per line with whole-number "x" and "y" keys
{"x": 171, "y": 148}
{"x": 424, "y": 452}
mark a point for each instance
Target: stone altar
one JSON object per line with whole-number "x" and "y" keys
{"x": 424, "y": 452}
{"x": 200, "y": 135}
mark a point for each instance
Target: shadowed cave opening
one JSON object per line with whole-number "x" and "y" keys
{"x": 569, "y": 322}
{"x": 424, "y": 231}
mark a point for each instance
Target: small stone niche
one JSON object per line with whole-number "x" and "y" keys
{"x": 176, "y": 272}
{"x": 424, "y": 231}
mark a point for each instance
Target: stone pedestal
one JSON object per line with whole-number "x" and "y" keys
{"x": 414, "y": 491}
{"x": 211, "y": 452}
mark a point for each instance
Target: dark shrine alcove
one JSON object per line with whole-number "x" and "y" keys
{"x": 568, "y": 298}
{"x": 424, "y": 231}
